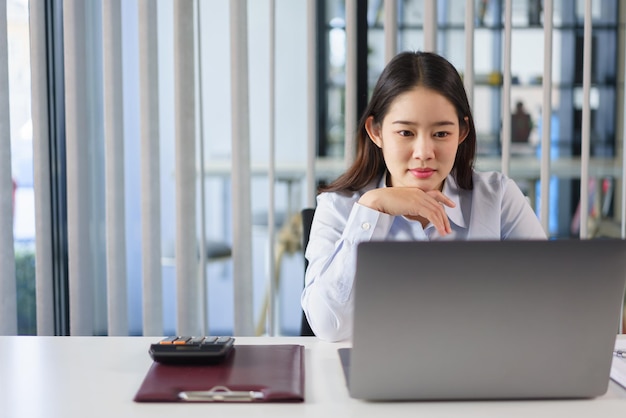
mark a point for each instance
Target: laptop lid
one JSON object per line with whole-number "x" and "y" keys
{"x": 485, "y": 320}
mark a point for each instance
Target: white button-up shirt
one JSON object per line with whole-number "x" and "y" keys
{"x": 495, "y": 209}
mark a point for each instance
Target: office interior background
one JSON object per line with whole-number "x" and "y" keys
{"x": 161, "y": 151}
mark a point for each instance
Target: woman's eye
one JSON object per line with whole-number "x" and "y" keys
{"x": 404, "y": 133}
{"x": 441, "y": 134}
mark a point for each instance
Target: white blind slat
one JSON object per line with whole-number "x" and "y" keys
{"x": 271, "y": 321}
{"x": 350, "y": 111}
{"x": 546, "y": 128}
{"x": 41, "y": 172}
{"x": 391, "y": 29}
{"x": 312, "y": 112}
{"x": 242, "y": 212}
{"x": 430, "y": 25}
{"x": 586, "y": 123}
{"x": 80, "y": 258}
{"x": 188, "y": 318}
{"x": 468, "y": 75}
{"x": 152, "y": 288}
{"x": 202, "y": 274}
{"x": 117, "y": 302}
{"x": 505, "y": 139}
{"x": 8, "y": 296}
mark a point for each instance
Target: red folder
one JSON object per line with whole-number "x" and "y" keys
{"x": 252, "y": 373}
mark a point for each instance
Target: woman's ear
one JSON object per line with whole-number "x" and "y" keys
{"x": 373, "y": 131}
{"x": 464, "y": 129}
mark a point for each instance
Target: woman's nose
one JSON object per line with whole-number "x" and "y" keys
{"x": 423, "y": 148}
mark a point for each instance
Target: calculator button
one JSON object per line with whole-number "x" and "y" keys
{"x": 168, "y": 340}
{"x": 222, "y": 340}
{"x": 209, "y": 340}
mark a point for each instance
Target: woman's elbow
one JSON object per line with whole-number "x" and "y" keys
{"x": 330, "y": 333}
{"x": 325, "y": 322}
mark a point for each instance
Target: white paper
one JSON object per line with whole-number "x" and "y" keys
{"x": 618, "y": 367}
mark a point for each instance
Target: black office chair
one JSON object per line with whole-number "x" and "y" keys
{"x": 307, "y": 219}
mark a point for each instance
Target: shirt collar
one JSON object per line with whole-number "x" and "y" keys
{"x": 455, "y": 214}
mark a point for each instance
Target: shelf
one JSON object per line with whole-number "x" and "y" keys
{"x": 496, "y": 28}
{"x": 567, "y": 168}
{"x": 523, "y": 167}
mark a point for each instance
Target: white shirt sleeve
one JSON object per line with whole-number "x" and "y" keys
{"x": 499, "y": 210}
{"x": 339, "y": 225}
{"x": 518, "y": 220}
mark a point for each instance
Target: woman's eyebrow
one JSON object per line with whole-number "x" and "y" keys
{"x": 438, "y": 123}
{"x": 403, "y": 122}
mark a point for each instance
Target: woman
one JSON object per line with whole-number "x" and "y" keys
{"x": 412, "y": 179}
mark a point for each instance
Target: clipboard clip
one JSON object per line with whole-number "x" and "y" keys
{"x": 220, "y": 394}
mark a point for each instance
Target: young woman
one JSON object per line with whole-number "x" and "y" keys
{"x": 412, "y": 179}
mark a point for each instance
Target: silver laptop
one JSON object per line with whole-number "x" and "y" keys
{"x": 485, "y": 320}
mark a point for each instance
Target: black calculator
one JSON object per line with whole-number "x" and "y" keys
{"x": 192, "y": 350}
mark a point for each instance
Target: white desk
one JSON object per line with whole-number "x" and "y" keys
{"x": 90, "y": 377}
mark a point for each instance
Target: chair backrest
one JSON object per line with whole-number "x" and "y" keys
{"x": 307, "y": 219}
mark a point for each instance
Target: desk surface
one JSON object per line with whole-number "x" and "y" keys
{"x": 56, "y": 377}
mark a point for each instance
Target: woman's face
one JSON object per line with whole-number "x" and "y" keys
{"x": 419, "y": 138}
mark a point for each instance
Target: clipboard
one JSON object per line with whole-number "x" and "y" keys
{"x": 252, "y": 373}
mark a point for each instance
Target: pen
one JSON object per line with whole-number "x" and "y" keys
{"x": 620, "y": 353}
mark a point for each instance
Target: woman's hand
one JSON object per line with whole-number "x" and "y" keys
{"x": 413, "y": 203}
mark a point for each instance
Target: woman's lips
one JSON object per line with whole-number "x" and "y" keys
{"x": 422, "y": 173}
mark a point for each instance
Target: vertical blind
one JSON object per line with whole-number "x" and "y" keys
{"x": 242, "y": 211}
{"x": 506, "y": 89}
{"x": 8, "y": 310}
{"x": 586, "y": 122}
{"x": 114, "y": 169}
{"x": 152, "y": 287}
{"x": 42, "y": 171}
{"x": 271, "y": 175}
{"x": 468, "y": 77}
{"x": 312, "y": 127}
{"x": 81, "y": 258}
{"x": 188, "y": 318}
{"x": 84, "y": 132}
{"x": 350, "y": 112}
{"x": 546, "y": 128}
